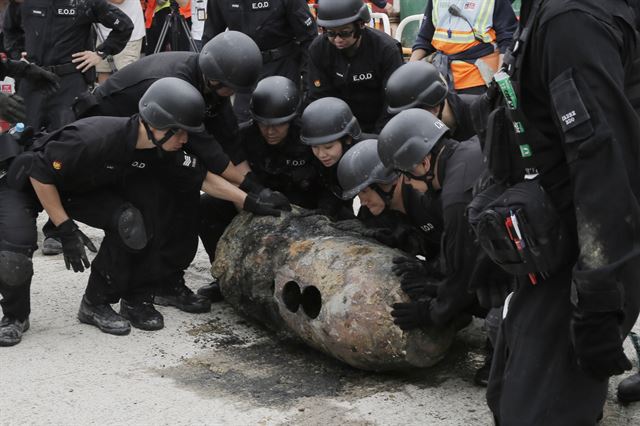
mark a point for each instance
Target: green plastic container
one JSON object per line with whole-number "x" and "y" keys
{"x": 408, "y": 8}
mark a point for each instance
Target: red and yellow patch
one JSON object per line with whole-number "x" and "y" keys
{"x": 57, "y": 165}
{"x": 317, "y": 83}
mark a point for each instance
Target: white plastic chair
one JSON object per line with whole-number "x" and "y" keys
{"x": 381, "y": 18}
{"x": 403, "y": 24}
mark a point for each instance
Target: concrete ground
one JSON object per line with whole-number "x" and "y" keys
{"x": 217, "y": 368}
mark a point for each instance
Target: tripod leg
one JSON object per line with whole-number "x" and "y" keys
{"x": 187, "y": 31}
{"x": 163, "y": 34}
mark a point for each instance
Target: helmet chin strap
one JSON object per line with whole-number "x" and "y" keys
{"x": 158, "y": 142}
{"x": 386, "y": 196}
{"x": 440, "y": 111}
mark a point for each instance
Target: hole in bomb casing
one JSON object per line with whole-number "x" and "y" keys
{"x": 311, "y": 302}
{"x": 291, "y": 296}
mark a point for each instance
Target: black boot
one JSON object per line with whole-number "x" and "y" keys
{"x": 104, "y": 317}
{"x": 629, "y": 388}
{"x": 142, "y": 315}
{"x": 182, "y": 298}
{"x": 51, "y": 246}
{"x": 11, "y": 330}
{"x": 211, "y": 291}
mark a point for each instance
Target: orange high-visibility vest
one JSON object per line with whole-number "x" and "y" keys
{"x": 454, "y": 35}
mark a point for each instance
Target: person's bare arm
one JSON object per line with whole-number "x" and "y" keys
{"x": 50, "y": 199}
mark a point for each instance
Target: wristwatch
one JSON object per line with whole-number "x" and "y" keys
{"x": 101, "y": 54}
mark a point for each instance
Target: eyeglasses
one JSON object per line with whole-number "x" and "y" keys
{"x": 342, "y": 34}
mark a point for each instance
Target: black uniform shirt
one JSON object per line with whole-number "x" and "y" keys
{"x": 270, "y": 23}
{"x": 359, "y": 80}
{"x": 576, "y": 87}
{"x": 286, "y": 167}
{"x": 52, "y": 30}
{"x": 425, "y": 212}
{"x": 461, "y": 167}
{"x": 120, "y": 95}
{"x": 461, "y": 112}
{"x": 87, "y": 154}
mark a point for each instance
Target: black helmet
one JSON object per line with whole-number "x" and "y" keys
{"x": 335, "y": 13}
{"x": 361, "y": 167}
{"x": 326, "y": 120}
{"x": 415, "y": 85}
{"x": 409, "y": 137}
{"x": 275, "y": 101}
{"x": 233, "y": 59}
{"x": 172, "y": 103}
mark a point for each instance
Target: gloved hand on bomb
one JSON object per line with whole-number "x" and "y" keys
{"x": 266, "y": 203}
{"x": 418, "y": 279}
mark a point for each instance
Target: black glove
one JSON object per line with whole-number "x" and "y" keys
{"x": 598, "y": 343}
{"x": 73, "y": 243}
{"x": 412, "y": 315}
{"x": 250, "y": 184}
{"x": 43, "y": 80}
{"x": 256, "y": 205}
{"x": 382, "y": 235}
{"x": 417, "y": 278}
{"x": 491, "y": 283}
{"x": 277, "y": 199}
{"x": 12, "y": 108}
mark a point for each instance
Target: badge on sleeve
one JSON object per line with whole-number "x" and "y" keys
{"x": 317, "y": 83}
{"x": 57, "y": 164}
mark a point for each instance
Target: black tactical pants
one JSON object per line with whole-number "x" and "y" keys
{"x": 172, "y": 218}
{"x": 18, "y": 212}
{"x": 535, "y": 378}
{"x": 215, "y": 216}
{"x": 110, "y": 276}
{"x": 52, "y": 111}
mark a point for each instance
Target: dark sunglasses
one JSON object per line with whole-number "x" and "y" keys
{"x": 342, "y": 34}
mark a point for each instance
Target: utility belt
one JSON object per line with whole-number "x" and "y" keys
{"x": 442, "y": 62}
{"x": 273, "y": 55}
{"x": 70, "y": 68}
{"x": 62, "y": 69}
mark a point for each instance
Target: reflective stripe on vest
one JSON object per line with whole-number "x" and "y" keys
{"x": 454, "y": 35}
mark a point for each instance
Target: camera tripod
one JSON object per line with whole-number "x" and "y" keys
{"x": 173, "y": 21}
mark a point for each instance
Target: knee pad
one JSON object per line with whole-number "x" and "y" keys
{"x": 15, "y": 268}
{"x": 131, "y": 228}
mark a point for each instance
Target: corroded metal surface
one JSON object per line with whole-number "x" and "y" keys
{"x": 300, "y": 276}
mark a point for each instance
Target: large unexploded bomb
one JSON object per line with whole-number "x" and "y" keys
{"x": 300, "y": 275}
